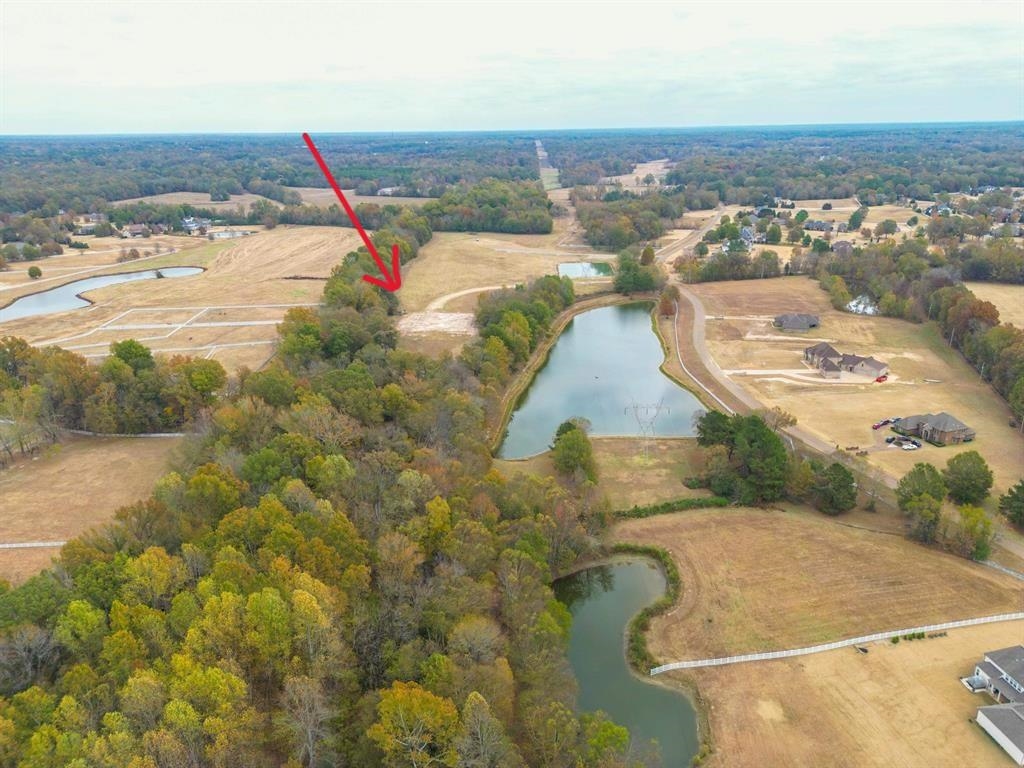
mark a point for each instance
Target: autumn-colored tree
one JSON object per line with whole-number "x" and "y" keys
{"x": 415, "y": 727}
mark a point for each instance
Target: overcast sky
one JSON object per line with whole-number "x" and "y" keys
{"x": 141, "y": 67}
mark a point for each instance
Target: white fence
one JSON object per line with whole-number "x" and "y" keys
{"x": 832, "y": 646}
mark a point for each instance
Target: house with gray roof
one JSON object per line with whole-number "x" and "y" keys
{"x": 939, "y": 428}
{"x": 831, "y": 363}
{"x": 1005, "y": 724}
{"x": 1001, "y": 675}
{"x": 796, "y": 322}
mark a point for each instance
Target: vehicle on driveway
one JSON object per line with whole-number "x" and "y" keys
{"x": 909, "y": 447}
{"x": 890, "y": 439}
{"x": 883, "y": 377}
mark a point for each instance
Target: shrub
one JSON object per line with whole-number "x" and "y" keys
{"x": 35, "y": 272}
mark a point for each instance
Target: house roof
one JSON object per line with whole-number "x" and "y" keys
{"x": 822, "y": 349}
{"x": 870, "y": 362}
{"x": 796, "y": 321}
{"x": 943, "y": 422}
{"x": 1010, "y": 660}
{"x": 1009, "y": 719}
{"x": 828, "y": 365}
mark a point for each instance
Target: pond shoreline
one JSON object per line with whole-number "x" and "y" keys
{"x": 89, "y": 301}
{"x": 617, "y": 554}
{"x": 525, "y": 376}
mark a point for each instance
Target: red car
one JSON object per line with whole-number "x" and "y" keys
{"x": 883, "y": 377}
{"x": 880, "y": 424}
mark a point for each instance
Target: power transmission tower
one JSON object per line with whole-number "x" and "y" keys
{"x": 646, "y": 416}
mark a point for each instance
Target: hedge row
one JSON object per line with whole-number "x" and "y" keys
{"x": 636, "y": 645}
{"x": 676, "y": 505}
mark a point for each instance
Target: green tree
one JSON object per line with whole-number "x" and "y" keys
{"x": 136, "y": 355}
{"x": 835, "y": 490}
{"x": 762, "y": 460}
{"x": 482, "y": 741}
{"x": 1011, "y": 503}
{"x": 647, "y": 256}
{"x": 925, "y": 512}
{"x": 35, "y": 272}
{"x": 923, "y": 478}
{"x": 572, "y": 453}
{"x": 968, "y": 478}
{"x": 774, "y": 234}
{"x": 973, "y": 535}
{"x": 415, "y": 727}
{"x": 715, "y": 428}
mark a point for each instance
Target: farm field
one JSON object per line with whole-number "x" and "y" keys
{"x": 898, "y": 705}
{"x": 926, "y": 376}
{"x": 1009, "y": 300}
{"x": 624, "y": 475}
{"x": 228, "y": 313}
{"x": 71, "y": 488}
{"x": 760, "y": 580}
{"x": 325, "y": 197}
{"x": 658, "y": 168}
{"x": 198, "y": 199}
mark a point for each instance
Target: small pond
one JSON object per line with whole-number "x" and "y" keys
{"x": 605, "y": 360}
{"x": 67, "y": 296}
{"x": 578, "y": 269}
{"x": 602, "y": 601}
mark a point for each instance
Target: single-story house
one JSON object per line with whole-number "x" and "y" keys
{"x": 135, "y": 230}
{"x": 796, "y": 322}
{"x": 831, "y": 362}
{"x": 1005, "y": 724}
{"x": 941, "y": 428}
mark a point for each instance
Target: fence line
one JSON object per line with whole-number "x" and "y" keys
{"x": 33, "y": 544}
{"x": 832, "y": 646}
{"x": 1008, "y": 571}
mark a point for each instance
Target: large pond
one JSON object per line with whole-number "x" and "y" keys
{"x": 606, "y": 360}
{"x": 67, "y": 296}
{"x": 602, "y": 601}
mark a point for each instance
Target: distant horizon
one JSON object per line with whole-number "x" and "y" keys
{"x": 578, "y": 129}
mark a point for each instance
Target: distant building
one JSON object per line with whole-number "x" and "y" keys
{"x": 941, "y": 428}
{"x": 1005, "y": 724}
{"x": 796, "y": 322}
{"x": 135, "y": 230}
{"x": 831, "y": 363}
{"x": 192, "y": 224}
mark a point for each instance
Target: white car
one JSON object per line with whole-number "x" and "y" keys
{"x": 908, "y": 447}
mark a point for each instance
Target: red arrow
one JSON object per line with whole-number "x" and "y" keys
{"x": 392, "y": 280}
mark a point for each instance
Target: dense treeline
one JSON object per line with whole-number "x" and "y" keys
{"x": 45, "y": 175}
{"x": 751, "y": 166}
{"x": 492, "y": 206}
{"x": 615, "y": 220}
{"x": 44, "y": 391}
{"x": 332, "y": 575}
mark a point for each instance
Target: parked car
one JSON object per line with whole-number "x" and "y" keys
{"x": 916, "y": 443}
{"x": 909, "y": 447}
{"x": 879, "y": 424}
{"x": 883, "y": 377}
{"x": 890, "y": 439}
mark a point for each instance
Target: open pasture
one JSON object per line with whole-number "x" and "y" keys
{"x": 70, "y": 488}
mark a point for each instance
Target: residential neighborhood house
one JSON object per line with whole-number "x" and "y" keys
{"x": 832, "y": 363}
{"x": 1001, "y": 676}
{"x": 796, "y": 322}
{"x": 940, "y": 428}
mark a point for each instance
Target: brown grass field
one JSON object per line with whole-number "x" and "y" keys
{"x": 624, "y": 475}
{"x": 325, "y": 197}
{"x": 198, "y": 199}
{"x": 1009, "y": 300}
{"x": 241, "y": 277}
{"x": 73, "y": 487}
{"x": 773, "y": 579}
{"x": 659, "y": 169}
{"x": 898, "y": 705}
{"x": 842, "y": 414}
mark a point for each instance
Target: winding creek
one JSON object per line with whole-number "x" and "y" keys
{"x": 602, "y": 600}
{"x": 67, "y": 296}
{"x": 605, "y": 360}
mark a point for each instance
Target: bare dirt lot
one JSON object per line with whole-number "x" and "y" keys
{"x": 71, "y": 488}
{"x": 926, "y": 375}
{"x": 1009, "y": 300}
{"x": 635, "y": 180}
{"x": 229, "y": 312}
{"x": 625, "y": 476}
{"x": 898, "y": 705}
